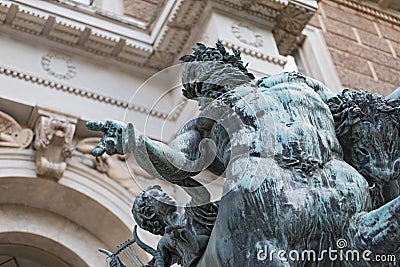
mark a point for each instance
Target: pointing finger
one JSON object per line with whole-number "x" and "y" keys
{"x": 98, "y": 150}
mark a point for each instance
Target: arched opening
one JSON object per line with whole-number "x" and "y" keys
{"x": 46, "y": 222}
{"x": 31, "y": 250}
{"x": 81, "y": 212}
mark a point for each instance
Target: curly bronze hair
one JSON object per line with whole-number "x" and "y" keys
{"x": 150, "y": 207}
{"x": 210, "y": 71}
{"x": 356, "y": 106}
{"x": 368, "y": 127}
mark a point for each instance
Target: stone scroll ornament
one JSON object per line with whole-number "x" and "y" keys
{"x": 305, "y": 170}
{"x": 11, "y": 133}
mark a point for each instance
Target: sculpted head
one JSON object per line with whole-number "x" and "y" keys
{"x": 151, "y": 209}
{"x": 209, "y": 72}
{"x": 368, "y": 128}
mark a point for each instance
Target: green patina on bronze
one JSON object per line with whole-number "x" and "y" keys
{"x": 304, "y": 168}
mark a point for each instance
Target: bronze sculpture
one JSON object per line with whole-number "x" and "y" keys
{"x": 288, "y": 188}
{"x": 184, "y": 235}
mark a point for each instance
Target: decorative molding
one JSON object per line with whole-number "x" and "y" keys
{"x": 266, "y": 10}
{"x": 370, "y": 11}
{"x": 3, "y": 12}
{"x": 53, "y": 142}
{"x": 12, "y": 134}
{"x": 163, "y": 43}
{"x": 290, "y": 17}
{"x": 240, "y": 31}
{"x": 29, "y": 22}
{"x": 100, "y": 44}
{"x": 172, "y": 38}
{"x": 143, "y": 22}
{"x": 93, "y": 96}
{"x": 58, "y": 66}
{"x": 65, "y": 33}
{"x": 268, "y": 58}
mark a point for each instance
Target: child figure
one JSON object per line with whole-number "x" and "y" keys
{"x": 184, "y": 236}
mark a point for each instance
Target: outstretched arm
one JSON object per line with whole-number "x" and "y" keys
{"x": 186, "y": 155}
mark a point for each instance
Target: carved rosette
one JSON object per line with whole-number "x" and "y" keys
{"x": 53, "y": 142}
{"x": 246, "y": 34}
{"x": 58, "y": 66}
{"x": 12, "y": 134}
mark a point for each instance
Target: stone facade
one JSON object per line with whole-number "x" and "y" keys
{"x": 364, "y": 43}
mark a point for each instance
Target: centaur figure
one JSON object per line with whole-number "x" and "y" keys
{"x": 305, "y": 170}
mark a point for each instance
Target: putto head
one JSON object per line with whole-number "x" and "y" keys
{"x": 151, "y": 208}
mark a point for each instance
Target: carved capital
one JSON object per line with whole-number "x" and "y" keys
{"x": 290, "y": 23}
{"x": 12, "y": 134}
{"x": 53, "y": 142}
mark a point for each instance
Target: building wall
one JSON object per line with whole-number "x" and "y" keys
{"x": 363, "y": 42}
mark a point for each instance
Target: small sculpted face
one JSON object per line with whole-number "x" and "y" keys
{"x": 160, "y": 200}
{"x": 152, "y": 208}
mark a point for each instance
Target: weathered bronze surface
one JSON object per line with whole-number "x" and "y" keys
{"x": 306, "y": 171}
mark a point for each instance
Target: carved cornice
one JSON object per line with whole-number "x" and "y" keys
{"x": 162, "y": 45}
{"x": 147, "y": 13}
{"x": 289, "y": 24}
{"x": 157, "y": 54}
{"x": 173, "y": 116}
{"x": 173, "y": 36}
{"x": 370, "y": 11}
{"x": 266, "y": 10}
